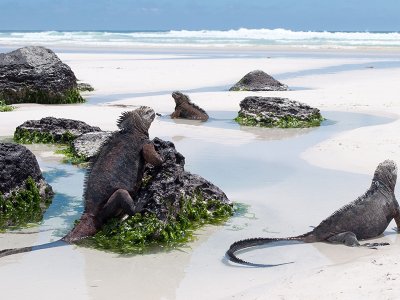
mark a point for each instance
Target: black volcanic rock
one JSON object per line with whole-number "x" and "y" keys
{"x": 163, "y": 187}
{"x": 51, "y": 130}
{"x": 277, "y": 112}
{"x": 88, "y": 144}
{"x": 36, "y": 75}
{"x": 18, "y": 166}
{"x": 258, "y": 81}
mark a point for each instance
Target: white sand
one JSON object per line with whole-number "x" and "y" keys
{"x": 321, "y": 270}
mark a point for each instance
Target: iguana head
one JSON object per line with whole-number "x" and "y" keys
{"x": 138, "y": 120}
{"x": 179, "y": 98}
{"x": 386, "y": 173}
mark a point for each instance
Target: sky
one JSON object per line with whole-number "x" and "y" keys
{"x": 304, "y": 15}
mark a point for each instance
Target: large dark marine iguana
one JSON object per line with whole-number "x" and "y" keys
{"x": 186, "y": 109}
{"x": 114, "y": 177}
{"x": 364, "y": 218}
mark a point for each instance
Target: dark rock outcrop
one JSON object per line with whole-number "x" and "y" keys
{"x": 186, "y": 109}
{"x": 88, "y": 144}
{"x": 258, "y": 81}
{"x": 163, "y": 187}
{"x": 18, "y": 166}
{"x": 51, "y": 130}
{"x": 36, "y": 75}
{"x": 277, "y": 112}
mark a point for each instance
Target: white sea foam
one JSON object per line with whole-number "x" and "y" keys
{"x": 204, "y": 38}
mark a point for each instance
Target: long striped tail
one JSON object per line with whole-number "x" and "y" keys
{"x": 7, "y": 252}
{"x": 248, "y": 243}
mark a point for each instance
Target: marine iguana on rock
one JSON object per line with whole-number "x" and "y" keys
{"x": 364, "y": 218}
{"x": 185, "y": 109}
{"x": 114, "y": 177}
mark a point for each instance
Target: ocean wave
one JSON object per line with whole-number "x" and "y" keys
{"x": 203, "y": 38}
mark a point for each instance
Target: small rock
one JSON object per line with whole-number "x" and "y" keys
{"x": 258, "y": 81}
{"x": 88, "y": 144}
{"x": 85, "y": 87}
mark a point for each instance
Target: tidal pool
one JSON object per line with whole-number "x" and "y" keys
{"x": 285, "y": 196}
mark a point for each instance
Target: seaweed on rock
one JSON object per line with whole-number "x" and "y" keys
{"x": 277, "y": 112}
{"x": 145, "y": 230}
{"x": 175, "y": 203}
{"x": 23, "y": 206}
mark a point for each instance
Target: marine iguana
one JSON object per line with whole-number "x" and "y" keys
{"x": 364, "y": 218}
{"x": 186, "y": 109}
{"x": 114, "y": 177}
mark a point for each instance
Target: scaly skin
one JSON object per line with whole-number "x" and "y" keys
{"x": 114, "y": 178}
{"x": 366, "y": 217}
{"x": 116, "y": 173}
{"x": 185, "y": 109}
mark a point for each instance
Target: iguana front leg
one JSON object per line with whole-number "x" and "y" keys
{"x": 397, "y": 220}
{"x": 151, "y": 156}
{"x": 176, "y": 113}
{"x": 348, "y": 238}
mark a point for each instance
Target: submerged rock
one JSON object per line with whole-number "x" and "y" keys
{"x": 24, "y": 194}
{"x": 88, "y": 144}
{"x": 36, "y": 75}
{"x": 258, "y": 81}
{"x": 51, "y": 130}
{"x": 186, "y": 109}
{"x": 277, "y": 112}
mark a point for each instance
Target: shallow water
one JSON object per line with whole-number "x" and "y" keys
{"x": 285, "y": 195}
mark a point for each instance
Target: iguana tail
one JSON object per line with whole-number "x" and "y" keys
{"x": 7, "y": 252}
{"x": 86, "y": 227}
{"x": 248, "y": 243}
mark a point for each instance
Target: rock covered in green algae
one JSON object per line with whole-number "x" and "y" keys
{"x": 258, "y": 81}
{"x": 36, "y": 75}
{"x": 51, "y": 130}
{"x": 174, "y": 202}
{"x": 277, "y": 112}
{"x": 24, "y": 194}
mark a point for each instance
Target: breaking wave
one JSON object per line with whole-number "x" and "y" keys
{"x": 203, "y": 38}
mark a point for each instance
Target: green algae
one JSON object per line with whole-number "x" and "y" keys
{"x": 285, "y": 122}
{"x": 22, "y": 207}
{"x": 24, "y": 136}
{"x": 4, "y": 107}
{"x": 70, "y": 96}
{"x": 142, "y": 232}
{"x": 70, "y": 156}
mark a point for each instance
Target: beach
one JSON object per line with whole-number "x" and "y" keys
{"x": 289, "y": 180}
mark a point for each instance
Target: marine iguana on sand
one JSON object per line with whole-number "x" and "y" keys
{"x": 114, "y": 177}
{"x": 186, "y": 109}
{"x": 364, "y": 218}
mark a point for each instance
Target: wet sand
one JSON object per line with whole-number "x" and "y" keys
{"x": 291, "y": 180}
